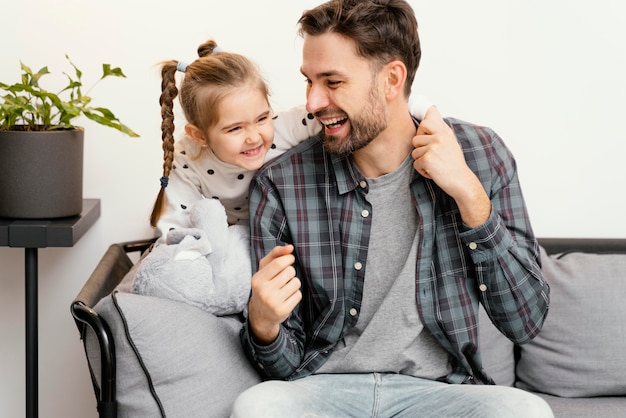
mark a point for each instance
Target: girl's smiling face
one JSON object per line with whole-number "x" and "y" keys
{"x": 244, "y": 131}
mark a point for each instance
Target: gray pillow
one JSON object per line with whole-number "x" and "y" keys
{"x": 580, "y": 351}
{"x": 496, "y": 351}
{"x": 193, "y": 359}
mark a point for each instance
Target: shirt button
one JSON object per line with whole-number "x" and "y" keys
{"x": 483, "y": 287}
{"x": 353, "y": 312}
{"x": 363, "y": 184}
{"x": 473, "y": 245}
{"x": 358, "y": 266}
{"x": 260, "y": 366}
{"x": 365, "y": 213}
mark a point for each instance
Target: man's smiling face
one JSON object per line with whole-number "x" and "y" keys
{"x": 343, "y": 92}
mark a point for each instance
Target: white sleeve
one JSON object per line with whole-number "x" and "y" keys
{"x": 419, "y": 105}
{"x": 294, "y": 126}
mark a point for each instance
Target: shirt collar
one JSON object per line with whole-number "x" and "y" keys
{"x": 347, "y": 174}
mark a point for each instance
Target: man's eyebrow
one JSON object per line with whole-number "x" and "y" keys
{"x": 323, "y": 74}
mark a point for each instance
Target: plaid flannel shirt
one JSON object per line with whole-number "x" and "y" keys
{"x": 314, "y": 200}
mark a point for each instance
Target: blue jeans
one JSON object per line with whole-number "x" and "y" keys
{"x": 383, "y": 395}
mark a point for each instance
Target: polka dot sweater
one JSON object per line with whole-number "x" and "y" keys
{"x": 197, "y": 173}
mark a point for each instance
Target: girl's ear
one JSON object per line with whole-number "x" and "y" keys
{"x": 196, "y": 134}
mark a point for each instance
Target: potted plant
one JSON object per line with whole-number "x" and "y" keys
{"x": 41, "y": 150}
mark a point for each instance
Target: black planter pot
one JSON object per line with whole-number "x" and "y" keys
{"x": 41, "y": 174}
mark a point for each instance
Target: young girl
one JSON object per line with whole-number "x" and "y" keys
{"x": 230, "y": 132}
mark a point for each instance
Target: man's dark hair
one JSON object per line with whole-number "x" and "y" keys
{"x": 382, "y": 30}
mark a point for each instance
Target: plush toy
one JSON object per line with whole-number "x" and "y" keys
{"x": 206, "y": 265}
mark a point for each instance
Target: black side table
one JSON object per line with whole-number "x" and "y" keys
{"x": 32, "y": 234}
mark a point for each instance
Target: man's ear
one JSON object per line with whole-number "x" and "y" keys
{"x": 196, "y": 134}
{"x": 395, "y": 79}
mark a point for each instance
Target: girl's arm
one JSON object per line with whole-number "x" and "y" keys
{"x": 292, "y": 127}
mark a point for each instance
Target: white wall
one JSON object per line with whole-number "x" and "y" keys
{"x": 546, "y": 75}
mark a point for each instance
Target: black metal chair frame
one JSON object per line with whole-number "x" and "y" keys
{"x": 108, "y": 274}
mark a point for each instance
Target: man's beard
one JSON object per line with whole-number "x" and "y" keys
{"x": 363, "y": 128}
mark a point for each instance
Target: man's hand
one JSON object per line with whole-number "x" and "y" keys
{"x": 438, "y": 156}
{"x": 275, "y": 293}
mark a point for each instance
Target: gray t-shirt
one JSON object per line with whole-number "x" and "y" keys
{"x": 389, "y": 335}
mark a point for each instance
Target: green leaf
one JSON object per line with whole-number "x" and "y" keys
{"x": 37, "y": 76}
{"x": 105, "y": 112}
{"x": 108, "y": 71}
{"x": 79, "y": 73}
{"x": 113, "y": 123}
{"x": 25, "y": 68}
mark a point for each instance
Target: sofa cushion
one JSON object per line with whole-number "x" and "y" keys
{"x": 496, "y": 351}
{"x": 599, "y": 407}
{"x": 580, "y": 351}
{"x": 172, "y": 357}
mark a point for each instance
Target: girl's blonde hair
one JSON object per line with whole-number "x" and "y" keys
{"x": 206, "y": 82}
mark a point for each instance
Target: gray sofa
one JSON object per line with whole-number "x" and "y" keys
{"x": 577, "y": 361}
{"x": 155, "y": 357}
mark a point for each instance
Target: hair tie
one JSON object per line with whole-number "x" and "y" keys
{"x": 181, "y": 66}
{"x": 217, "y": 49}
{"x": 164, "y": 181}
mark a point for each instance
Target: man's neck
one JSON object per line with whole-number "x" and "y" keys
{"x": 387, "y": 152}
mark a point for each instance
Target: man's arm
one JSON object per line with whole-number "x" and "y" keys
{"x": 479, "y": 173}
{"x": 272, "y": 336}
{"x": 438, "y": 156}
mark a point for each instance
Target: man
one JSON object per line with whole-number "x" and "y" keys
{"x": 378, "y": 243}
